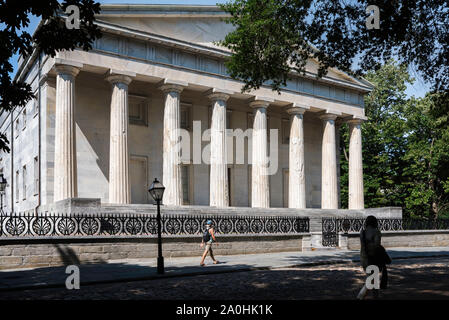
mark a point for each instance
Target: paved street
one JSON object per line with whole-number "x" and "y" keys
{"x": 145, "y": 269}
{"x": 416, "y": 278}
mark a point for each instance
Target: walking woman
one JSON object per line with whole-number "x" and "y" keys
{"x": 208, "y": 239}
{"x": 373, "y": 253}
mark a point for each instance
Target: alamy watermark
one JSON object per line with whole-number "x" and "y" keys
{"x": 372, "y": 281}
{"x": 73, "y": 17}
{"x": 373, "y": 20}
{"x": 73, "y": 280}
{"x": 192, "y": 149}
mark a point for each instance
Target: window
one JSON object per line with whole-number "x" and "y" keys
{"x": 228, "y": 118}
{"x": 17, "y": 186}
{"x": 24, "y": 182}
{"x": 268, "y": 128}
{"x": 36, "y": 104}
{"x": 250, "y": 169}
{"x": 285, "y": 131}
{"x": 229, "y": 186}
{"x": 186, "y": 118}
{"x": 138, "y": 110}
{"x": 185, "y": 180}
{"x": 1, "y": 172}
{"x": 17, "y": 126}
{"x": 250, "y": 122}
{"x": 24, "y": 118}
{"x": 285, "y": 187}
{"x": 36, "y": 176}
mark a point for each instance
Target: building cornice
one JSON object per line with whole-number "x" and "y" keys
{"x": 216, "y": 52}
{"x": 160, "y": 10}
{"x": 363, "y": 86}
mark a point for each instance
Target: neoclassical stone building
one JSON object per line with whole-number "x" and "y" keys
{"x": 105, "y": 122}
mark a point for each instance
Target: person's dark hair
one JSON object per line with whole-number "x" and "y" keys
{"x": 371, "y": 221}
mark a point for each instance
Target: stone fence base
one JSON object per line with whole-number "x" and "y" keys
{"x": 407, "y": 238}
{"x": 56, "y": 251}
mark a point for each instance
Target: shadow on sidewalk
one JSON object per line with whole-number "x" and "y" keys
{"x": 415, "y": 280}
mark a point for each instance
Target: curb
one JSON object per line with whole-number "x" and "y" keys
{"x": 38, "y": 286}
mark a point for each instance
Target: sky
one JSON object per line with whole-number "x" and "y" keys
{"x": 418, "y": 89}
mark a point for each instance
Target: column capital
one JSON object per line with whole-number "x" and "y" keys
{"x": 296, "y": 108}
{"x": 355, "y": 119}
{"x": 168, "y": 85}
{"x": 260, "y": 102}
{"x": 215, "y": 94}
{"x": 69, "y": 67}
{"x": 47, "y": 78}
{"x": 329, "y": 115}
{"x": 119, "y": 76}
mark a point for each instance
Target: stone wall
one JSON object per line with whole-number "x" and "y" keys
{"x": 48, "y": 251}
{"x": 410, "y": 238}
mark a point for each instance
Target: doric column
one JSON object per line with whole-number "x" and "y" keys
{"x": 218, "y": 149}
{"x": 356, "y": 200}
{"x": 119, "y": 188}
{"x": 296, "y": 173}
{"x": 171, "y": 169}
{"x": 337, "y": 151}
{"x": 260, "y": 189}
{"x": 65, "y": 183}
{"x": 329, "y": 181}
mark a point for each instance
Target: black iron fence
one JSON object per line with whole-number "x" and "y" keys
{"x": 145, "y": 224}
{"x": 332, "y": 226}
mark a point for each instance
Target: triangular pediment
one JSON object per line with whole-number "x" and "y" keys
{"x": 201, "y": 25}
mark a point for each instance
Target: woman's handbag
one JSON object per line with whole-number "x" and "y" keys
{"x": 383, "y": 255}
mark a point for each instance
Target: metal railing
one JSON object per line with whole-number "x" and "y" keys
{"x": 31, "y": 225}
{"x": 332, "y": 226}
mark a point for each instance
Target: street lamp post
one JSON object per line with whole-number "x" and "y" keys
{"x": 157, "y": 191}
{"x": 2, "y": 191}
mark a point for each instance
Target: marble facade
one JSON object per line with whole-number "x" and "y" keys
{"x": 105, "y": 122}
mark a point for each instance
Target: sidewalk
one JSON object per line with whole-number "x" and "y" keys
{"x": 145, "y": 269}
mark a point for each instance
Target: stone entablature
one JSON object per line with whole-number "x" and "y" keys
{"x": 150, "y": 51}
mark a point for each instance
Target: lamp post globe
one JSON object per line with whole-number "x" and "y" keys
{"x": 156, "y": 190}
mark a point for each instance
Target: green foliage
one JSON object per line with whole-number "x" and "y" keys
{"x": 51, "y": 37}
{"x": 405, "y": 147}
{"x": 275, "y": 37}
{"x": 427, "y": 157}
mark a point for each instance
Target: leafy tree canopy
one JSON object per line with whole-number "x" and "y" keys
{"x": 52, "y": 36}
{"x": 275, "y": 37}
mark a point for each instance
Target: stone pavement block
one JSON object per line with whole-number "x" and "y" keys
{"x": 37, "y": 260}
{"x": 23, "y": 251}
{"x": 10, "y": 261}
{"x": 91, "y": 249}
{"x": 93, "y": 257}
{"x": 118, "y": 255}
{"x": 5, "y": 251}
{"x": 40, "y": 250}
{"x": 134, "y": 255}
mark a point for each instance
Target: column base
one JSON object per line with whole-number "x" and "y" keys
{"x": 72, "y": 205}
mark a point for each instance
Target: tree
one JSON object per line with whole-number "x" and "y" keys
{"x": 273, "y": 38}
{"x": 384, "y": 139}
{"x": 50, "y": 37}
{"x": 405, "y": 146}
{"x": 427, "y": 156}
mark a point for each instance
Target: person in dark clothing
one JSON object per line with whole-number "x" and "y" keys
{"x": 373, "y": 253}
